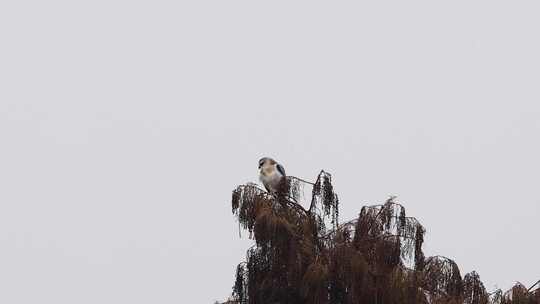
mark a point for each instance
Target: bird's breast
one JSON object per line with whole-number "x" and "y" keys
{"x": 268, "y": 171}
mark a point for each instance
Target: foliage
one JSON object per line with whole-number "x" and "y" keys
{"x": 306, "y": 256}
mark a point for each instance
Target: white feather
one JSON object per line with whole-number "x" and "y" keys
{"x": 270, "y": 177}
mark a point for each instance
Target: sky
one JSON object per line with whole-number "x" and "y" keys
{"x": 125, "y": 125}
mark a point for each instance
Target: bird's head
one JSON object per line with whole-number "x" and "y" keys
{"x": 266, "y": 161}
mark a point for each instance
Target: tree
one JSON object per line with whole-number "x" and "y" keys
{"x": 307, "y": 256}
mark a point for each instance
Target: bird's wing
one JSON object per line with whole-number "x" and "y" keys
{"x": 281, "y": 169}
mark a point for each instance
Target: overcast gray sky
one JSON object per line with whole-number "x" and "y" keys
{"x": 124, "y": 126}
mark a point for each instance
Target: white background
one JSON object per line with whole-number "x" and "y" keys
{"x": 125, "y": 125}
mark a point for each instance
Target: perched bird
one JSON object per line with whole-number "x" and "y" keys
{"x": 271, "y": 174}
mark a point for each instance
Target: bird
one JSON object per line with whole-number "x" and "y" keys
{"x": 271, "y": 174}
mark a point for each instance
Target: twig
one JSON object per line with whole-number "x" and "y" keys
{"x": 538, "y": 282}
{"x": 302, "y": 180}
{"x": 312, "y": 204}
